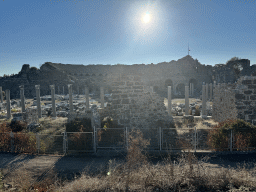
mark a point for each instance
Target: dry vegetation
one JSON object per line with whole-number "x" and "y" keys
{"x": 187, "y": 173}
{"x": 137, "y": 173}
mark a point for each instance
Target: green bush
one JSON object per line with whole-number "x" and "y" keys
{"x": 244, "y": 135}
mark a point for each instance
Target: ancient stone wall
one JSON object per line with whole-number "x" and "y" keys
{"x": 236, "y": 100}
{"x": 135, "y": 105}
{"x": 224, "y": 106}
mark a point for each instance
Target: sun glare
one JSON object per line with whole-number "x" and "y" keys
{"x": 146, "y": 18}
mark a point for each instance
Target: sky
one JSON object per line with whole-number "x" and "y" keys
{"x": 124, "y": 31}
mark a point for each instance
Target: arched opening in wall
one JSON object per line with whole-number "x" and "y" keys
{"x": 180, "y": 89}
{"x": 155, "y": 89}
{"x": 168, "y": 82}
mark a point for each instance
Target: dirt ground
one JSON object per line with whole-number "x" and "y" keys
{"x": 40, "y": 166}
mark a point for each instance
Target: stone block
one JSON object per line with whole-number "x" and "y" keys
{"x": 137, "y": 87}
{"x": 246, "y": 82}
{"x": 116, "y": 101}
{"x": 247, "y": 102}
{"x": 251, "y": 86}
{"x": 239, "y": 96}
{"x": 247, "y": 112}
{"x": 125, "y": 101}
{"x": 124, "y": 96}
{"x": 254, "y": 81}
{"x": 115, "y": 96}
{"x": 253, "y": 97}
{"x": 132, "y": 95}
{"x": 252, "y": 116}
{"x": 129, "y": 83}
{"x": 138, "y": 91}
{"x": 248, "y": 92}
{"x": 241, "y": 107}
{"x": 138, "y": 83}
{"x": 136, "y": 78}
{"x": 116, "y": 91}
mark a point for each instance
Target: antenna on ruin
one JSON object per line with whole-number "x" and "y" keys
{"x": 188, "y": 49}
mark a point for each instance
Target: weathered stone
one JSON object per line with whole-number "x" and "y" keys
{"x": 125, "y": 101}
{"x": 253, "y": 97}
{"x": 246, "y": 82}
{"x": 247, "y": 112}
{"x": 248, "y": 92}
{"x": 239, "y": 96}
{"x": 251, "y": 86}
{"x": 129, "y": 83}
{"x": 116, "y": 101}
{"x": 137, "y": 87}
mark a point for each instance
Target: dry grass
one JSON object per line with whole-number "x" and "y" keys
{"x": 186, "y": 174}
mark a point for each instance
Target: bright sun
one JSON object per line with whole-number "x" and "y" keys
{"x": 146, "y": 18}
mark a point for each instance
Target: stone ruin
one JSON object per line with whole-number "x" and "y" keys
{"x": 232, "y": 101}
{"x": 136, "y": 105}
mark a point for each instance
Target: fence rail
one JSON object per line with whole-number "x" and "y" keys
{"x": 160, "y": 139}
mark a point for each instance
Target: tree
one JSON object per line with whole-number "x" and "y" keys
{"x": 234, "y": 64}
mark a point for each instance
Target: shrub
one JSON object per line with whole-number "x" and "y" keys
{"x": 80, "y": 141}
{"x": 17, "y": 126}
{"x": 79, "y": 125}
{"x": 244, "y": 135}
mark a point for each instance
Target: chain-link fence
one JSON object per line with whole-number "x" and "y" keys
{"x": 162, "y": 139}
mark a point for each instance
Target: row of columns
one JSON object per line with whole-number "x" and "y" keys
{"x": 187, "y": 92}
{"x": 38, "y": 99}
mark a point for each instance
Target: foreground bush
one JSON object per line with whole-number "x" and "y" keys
{"x": 244, "y": 136}
{"x": 21, "y": 142}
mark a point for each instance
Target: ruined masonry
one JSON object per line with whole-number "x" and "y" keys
{"x": 136, "y": 105}
{"x": 238, "y": 100}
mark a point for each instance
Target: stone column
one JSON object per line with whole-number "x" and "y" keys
{"x": 87, "y": 98}
{"x": 52, "y": 87}
{"x": 1, "y": 95}
{"x": 170, "y": 100}
{"x": 70, "y": 97}
{"x": 102, "y": 97}
{"x": 186, "y": 100}
{"x": 203, "y": 114}
{"x": 63, "y": 91}
{"x": 214, "y": 84}
{"x": 210, "y": 86}
{"x": 58, "y": 90}
{"x": 38, "y": 101}
{"x": 206, "y": 91}
{"x": 190, "y": 88}
{"x": 8, "y": 102}
{"x": 22, "y": 98}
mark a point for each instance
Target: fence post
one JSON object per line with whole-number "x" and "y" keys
{"x": 12, "y": 144}
{"x": 195, "y": 139}
{"x": 160, "y": 139}
{"x": 94, "y": 140}
{"x": 126, "y": 137}
{"x": 37, "y": 143}
{"x": 65, "y": 143}
{"x": 231, "y": 139}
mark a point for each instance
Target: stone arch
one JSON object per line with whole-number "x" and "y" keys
{"x": 180, "y": 89}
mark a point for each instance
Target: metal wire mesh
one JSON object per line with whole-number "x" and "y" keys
{"x": 110, "y": 138}
{"x": 80, "y": 141}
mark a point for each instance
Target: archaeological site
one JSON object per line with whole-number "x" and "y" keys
{"x": 134, "y": 95}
